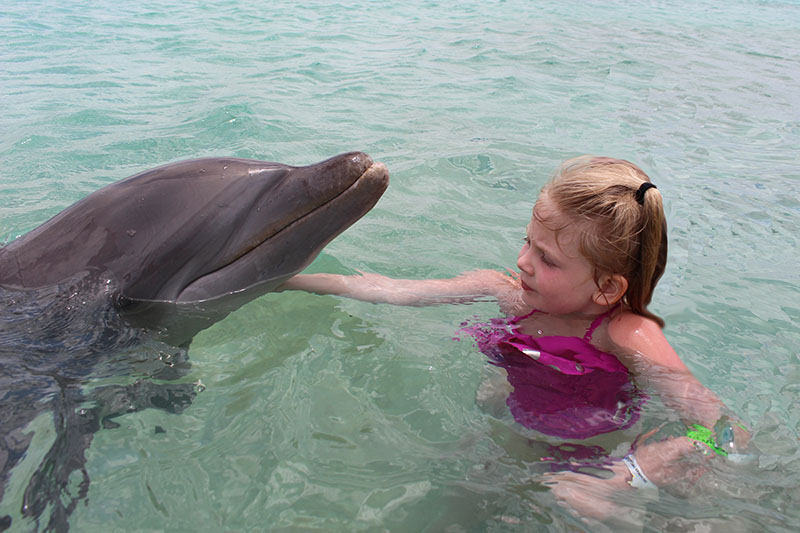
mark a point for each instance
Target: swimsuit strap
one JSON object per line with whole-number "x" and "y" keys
{"x": 596, "y": 322}
{"x": 587, "y": 336}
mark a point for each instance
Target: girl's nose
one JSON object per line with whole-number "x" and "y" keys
{"x": 523, "y": 261}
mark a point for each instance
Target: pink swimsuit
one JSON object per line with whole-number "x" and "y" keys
{"x": 563, "y": 386}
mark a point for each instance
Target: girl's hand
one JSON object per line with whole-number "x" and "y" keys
{"x": 672, "y": 464}
{"x": 591, "y": 497}
{"x": 509, "y": 293}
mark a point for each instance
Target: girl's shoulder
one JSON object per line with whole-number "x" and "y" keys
{"x": 642, "y": 336}
{"x": 624, "y": 324}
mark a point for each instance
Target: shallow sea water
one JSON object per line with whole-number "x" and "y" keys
{"x": 323, "y": 413}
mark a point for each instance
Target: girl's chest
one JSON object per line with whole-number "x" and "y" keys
{"x": 541, "y": 325}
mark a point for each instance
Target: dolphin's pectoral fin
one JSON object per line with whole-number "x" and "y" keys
{"x": 172, "y": 398}
{"x": 116, "y": 400}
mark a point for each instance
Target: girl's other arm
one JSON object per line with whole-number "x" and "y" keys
{"x": 657, "y": 365}
{"x": 674, "y": 463}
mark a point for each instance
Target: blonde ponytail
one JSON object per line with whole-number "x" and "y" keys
{"x": 652, "y": 258}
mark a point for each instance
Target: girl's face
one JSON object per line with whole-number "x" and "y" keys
{"x": 555, "y": 277}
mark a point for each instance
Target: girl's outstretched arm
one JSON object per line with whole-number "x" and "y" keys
{"x": 468, "y": 287}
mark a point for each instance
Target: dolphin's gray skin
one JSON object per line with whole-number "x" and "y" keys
{"x": 140, "y": 266}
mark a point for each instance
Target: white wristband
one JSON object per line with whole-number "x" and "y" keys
{"x": 639, "y": 480}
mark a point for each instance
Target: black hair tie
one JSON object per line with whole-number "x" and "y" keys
{"x": 643, "y": 189}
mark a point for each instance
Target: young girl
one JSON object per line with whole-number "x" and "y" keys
{"x": 594, "y": 250}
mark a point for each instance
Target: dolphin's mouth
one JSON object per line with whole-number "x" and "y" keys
{"x": 272, "y": 259}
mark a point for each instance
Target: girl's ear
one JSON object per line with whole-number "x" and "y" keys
{"x": 610, "y": 289}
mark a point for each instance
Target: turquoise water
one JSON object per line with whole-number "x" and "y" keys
{"x": 323, "y": 413}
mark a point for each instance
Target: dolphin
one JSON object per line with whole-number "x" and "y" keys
{"x": 140, "y": 267}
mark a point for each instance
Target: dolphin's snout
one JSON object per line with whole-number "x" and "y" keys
{"x": 377, "y": 170}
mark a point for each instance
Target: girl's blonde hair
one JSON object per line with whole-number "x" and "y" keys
{"x": 622, "y": 226}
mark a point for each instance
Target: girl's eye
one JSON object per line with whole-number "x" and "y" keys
{"x": 547, "y": 261}
{"x": 527, "y": 240}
